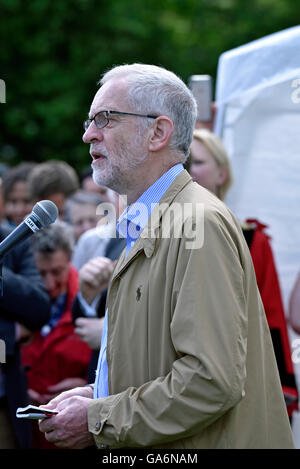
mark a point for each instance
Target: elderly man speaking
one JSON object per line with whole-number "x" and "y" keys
{"x": 186, "y": 358}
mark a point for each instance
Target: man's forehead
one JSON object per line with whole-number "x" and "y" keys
{"x": 109, "y": 96}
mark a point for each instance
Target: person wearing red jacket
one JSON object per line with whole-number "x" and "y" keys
{"x": 269, "y": 288}
{"x": 56, "y": 359}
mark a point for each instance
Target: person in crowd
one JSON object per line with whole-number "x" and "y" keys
{"x": 294, "y": 306}
{"x": 56, "y": 359}
{"x": 186, "y": 357}
{"x": 24, "y": 307}
{"x": 53, "y": 180}
{"x": 94, "y": 242}
{"x": 15, "y": 190}
{"x": 81, "y": 211}
{"x": 209, "y": 166}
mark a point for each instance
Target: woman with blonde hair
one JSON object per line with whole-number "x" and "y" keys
{"x": 209, "y": 163}
{"x": 209, "y": 166}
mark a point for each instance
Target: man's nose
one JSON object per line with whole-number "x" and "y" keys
{"x": 92, "y": 133}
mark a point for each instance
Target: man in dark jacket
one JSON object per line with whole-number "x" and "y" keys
{"x": 24, "y": 306}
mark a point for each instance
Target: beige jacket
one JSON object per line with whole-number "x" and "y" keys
{"x": 190, "y": 357}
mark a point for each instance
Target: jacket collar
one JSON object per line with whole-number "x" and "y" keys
{"x": 149, "y": 235}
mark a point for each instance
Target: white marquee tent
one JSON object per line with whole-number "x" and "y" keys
{"x": 258, "y": 119}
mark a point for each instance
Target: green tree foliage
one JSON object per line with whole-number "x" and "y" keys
{"x": 52, "y": 53}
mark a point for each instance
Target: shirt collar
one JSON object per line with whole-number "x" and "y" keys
{"x": 135, "y": 217}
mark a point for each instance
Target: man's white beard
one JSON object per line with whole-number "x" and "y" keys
{"x": 118, "y": 177}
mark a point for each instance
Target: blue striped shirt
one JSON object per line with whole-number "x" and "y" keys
{"x": 130, "y": 225}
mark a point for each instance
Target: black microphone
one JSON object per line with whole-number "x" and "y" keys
{"x": 43, "y": 214}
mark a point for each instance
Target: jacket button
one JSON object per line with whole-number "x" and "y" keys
{"x": 97, "y": 427}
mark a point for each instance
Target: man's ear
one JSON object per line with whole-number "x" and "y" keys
{"x": 160, "y": 133}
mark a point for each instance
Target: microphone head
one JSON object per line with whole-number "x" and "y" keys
{"x": 46, "y": 211}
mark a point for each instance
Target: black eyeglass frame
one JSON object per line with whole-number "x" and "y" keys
{"x": 107, "y": 113}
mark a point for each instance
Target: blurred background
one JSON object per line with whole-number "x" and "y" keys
{"x": 53, "y": 53}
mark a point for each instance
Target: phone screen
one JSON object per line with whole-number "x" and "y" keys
{"x": 201, "y": 87}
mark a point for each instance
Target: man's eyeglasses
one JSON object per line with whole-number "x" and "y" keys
{"x": 101, "y": 119}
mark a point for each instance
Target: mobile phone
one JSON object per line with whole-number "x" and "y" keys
{"x": 34, "y": 412}
{"x": 201, "y": 87}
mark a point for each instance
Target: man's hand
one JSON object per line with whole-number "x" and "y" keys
{"x": 69, "y": 428}
{"x": 90, "y": 331}
{"x": 94, "y": 277}
{"x": 82, "y": 391}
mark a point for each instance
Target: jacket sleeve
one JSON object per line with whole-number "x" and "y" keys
{"x": 24, "y": 298}
{"x": 209, "y": 333}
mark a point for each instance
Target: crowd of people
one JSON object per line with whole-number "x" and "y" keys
{"x": 209, "y": 373}
{"x": 57, "y": 341}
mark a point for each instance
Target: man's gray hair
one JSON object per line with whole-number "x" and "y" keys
{"x": 56, "y": 237}
{"x": 155, "y": 90}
